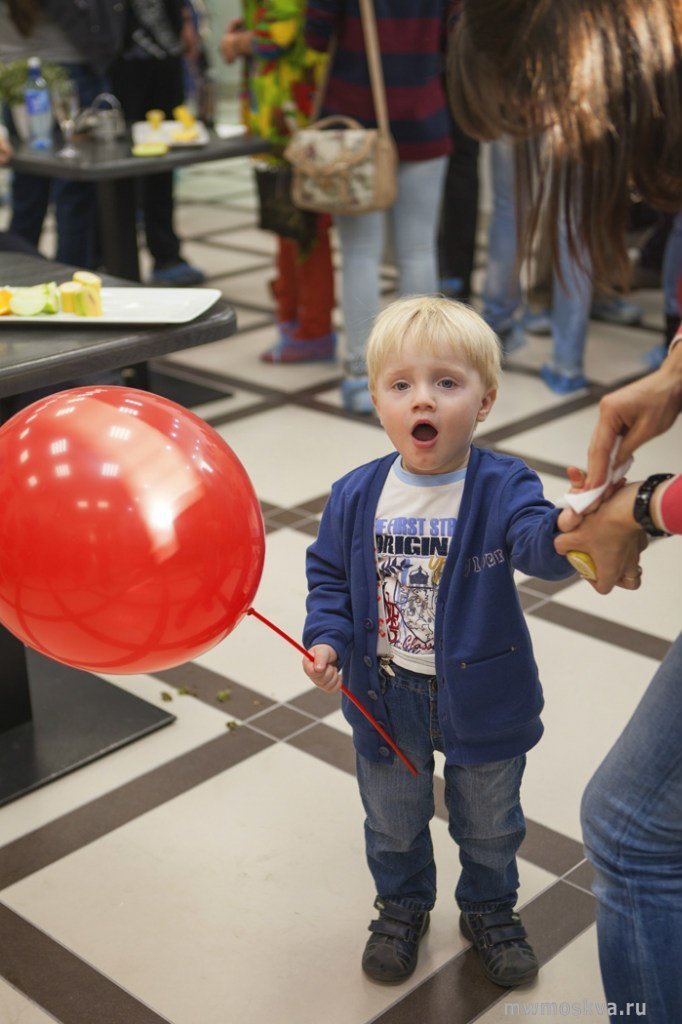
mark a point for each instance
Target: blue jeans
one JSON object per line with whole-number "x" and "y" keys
{"x": 672, "y": 268}
{"x": 632, "y": 824}
{"x": 502, "y": 289}
{"x": 413, "y": 219}
{"x": 75, "y": 201}
{"x": 485, "y": 816}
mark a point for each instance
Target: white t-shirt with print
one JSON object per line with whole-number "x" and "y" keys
{"x": 415, "y": 521}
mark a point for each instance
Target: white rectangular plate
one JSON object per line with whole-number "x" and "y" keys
{"x": 133, "y": 306}
{"x": 143, "y": 132}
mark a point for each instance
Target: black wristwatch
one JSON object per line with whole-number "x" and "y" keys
{"x": 641, "y": 510}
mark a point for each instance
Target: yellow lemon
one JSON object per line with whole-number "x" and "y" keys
{"x": 583, "y": 564}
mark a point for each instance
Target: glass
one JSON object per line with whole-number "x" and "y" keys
{"x": 66, "y": 104}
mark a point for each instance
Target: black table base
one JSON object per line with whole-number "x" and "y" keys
{"x": 74, "y": 718}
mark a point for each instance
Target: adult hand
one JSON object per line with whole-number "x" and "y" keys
{"x": 612, "y": 537}
{"x": 637, "y": 412}
{"x": 5, "y": 147}
{"x": 323, "y": 671}
{"x": 189, "y": 37}
{"x": 235, "y": 43}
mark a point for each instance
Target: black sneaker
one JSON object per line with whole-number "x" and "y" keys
{"x": 391, "y": 952}
{"x": 499, "y": 938}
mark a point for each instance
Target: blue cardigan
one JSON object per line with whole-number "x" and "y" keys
{"x": 489, "y": 693}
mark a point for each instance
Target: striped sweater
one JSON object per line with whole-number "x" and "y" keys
{"x": 412, "y": 36}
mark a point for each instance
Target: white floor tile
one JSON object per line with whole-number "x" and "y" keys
{"x": 199, "y": 218}
{"x": 311, "y": 451}
{"x": 253, "y": 654}
{"x": 566, "y": 440}
{"x": 213, "y": 902}
{"x": 591, "y": 689}
{"x": 518, "y": 397}
{"x": 15, "y": 1008}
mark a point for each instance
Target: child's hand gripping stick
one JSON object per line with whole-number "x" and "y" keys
{"x": 351, "y": 697}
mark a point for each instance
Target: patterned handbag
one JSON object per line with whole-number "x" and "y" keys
{"x": 339, "y": 166}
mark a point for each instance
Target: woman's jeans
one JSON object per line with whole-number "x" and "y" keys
{"x": 485, "y": 816}
{"x": 413, "y": 220}
{"x": 632, "y": 824}
{"x": 672, "y": 269}
{"x": 502, "y": 296}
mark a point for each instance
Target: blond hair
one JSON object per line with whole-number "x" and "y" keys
{"x": 431, "y": 322}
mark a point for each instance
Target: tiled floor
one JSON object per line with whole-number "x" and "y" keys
{"x": 213, "y": 872}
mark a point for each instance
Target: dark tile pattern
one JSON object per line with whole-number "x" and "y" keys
{"x": 91, "y": 821}
{"x": 237, "y": 701}
{"x": 65, "y": 986}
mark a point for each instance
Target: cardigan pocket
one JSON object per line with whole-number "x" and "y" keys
{"x": 493, "y": 694}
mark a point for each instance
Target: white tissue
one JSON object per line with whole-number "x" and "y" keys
{"x": 580, "y": 500}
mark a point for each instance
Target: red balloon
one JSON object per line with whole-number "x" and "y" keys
{"x": 131, "y": 538}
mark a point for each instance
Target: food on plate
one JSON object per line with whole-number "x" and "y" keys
{"x": 184, "y": 115}
{"x": 34, "y": 299}
{"x": 81, "y": 296}
{"x": 150, "y": 149}
{"x": 87, "y": 277}
{"x": 67, "y": 293}
{"x": 155, "y": 118}
{"x": 189, "y": 131}
{"x": 87, "y": 301}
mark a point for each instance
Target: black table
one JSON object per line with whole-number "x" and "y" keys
{"x": 113, "y": 168}
{"x": 54, "y": 719}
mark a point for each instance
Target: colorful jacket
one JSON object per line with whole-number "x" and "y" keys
{"x": 281, "y": 78}
{"x": 412, "y": 37}
{"x": 489, "y": 693}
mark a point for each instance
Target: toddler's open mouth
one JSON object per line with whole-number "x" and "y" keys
{"x": 424, "y": 432}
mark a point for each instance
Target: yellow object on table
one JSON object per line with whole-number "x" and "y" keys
{"x": 155, "y": 118}
{"x": 150, "y": 149}
{"x": 184, "y": 115}
{"x": 583, "y": 564}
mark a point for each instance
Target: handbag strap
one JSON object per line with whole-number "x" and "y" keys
{"x": 376, "y": 74}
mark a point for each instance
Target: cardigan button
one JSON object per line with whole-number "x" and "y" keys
{"x": 368, "y": 624}
{"x": 384, "y": 751}
{"x": 367, "y": 661}
{"x": 373, "y": 695}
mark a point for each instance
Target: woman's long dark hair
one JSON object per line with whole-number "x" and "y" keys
{"x": 23, "y": 14}
{"x": 593, "y": 89}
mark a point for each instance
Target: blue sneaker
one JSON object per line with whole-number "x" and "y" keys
{"x": 179, "y": 275}
{"x": 512, "y": 338}
{"x": 453, "y": 288}
{"x": 616, "y": 310}
{"x": 655, "y": 356}
{"x": 291, "y": 350}
{"x": 355, "y": 396}
{"x": 539, "y": 323}
{"x": 562, "y": 383}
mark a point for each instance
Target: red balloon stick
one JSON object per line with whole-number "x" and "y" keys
{"x": 351, "y": 697}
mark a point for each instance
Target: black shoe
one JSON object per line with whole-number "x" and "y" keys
{"x": 499, "y": 938}
{"x": 391, "y": 952}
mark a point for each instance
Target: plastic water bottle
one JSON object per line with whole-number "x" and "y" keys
{"x": 38, "y": 107}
